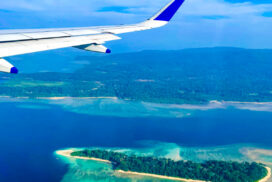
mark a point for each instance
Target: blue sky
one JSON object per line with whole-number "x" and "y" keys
{"x": 199, "y": 23}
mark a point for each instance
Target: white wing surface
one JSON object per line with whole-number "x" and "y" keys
{"x": 17, "y": 42}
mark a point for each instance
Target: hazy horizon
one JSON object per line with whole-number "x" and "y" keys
{"x": 199, "y": 23}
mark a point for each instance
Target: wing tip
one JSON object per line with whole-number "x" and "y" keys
{"x": 168, "y": 12}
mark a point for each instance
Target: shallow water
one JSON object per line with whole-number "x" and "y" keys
{"x": 31, "y": 132}
{"x": 86, "y": 170}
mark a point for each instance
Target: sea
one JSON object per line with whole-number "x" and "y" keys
{"x": 31, "y": 131}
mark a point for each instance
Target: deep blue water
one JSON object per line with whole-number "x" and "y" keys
{"x": 28, "y": 137}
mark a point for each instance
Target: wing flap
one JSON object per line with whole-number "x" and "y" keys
{"x": 31, "y": 46}
{"x": 81, "y": 32}
{"x": 13, "y": 37}
{"x": 71, "y": 32}
{"x": 47, "y": 35}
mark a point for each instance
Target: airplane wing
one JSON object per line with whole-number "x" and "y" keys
{"x": 17, "y": 42}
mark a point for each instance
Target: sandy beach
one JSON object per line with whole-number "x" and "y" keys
{"x": 158, "y": 176}
{"x": 57, "y": 98}
{"x": 67, "y": 153}
{"x": 254, "y": 154}
{"x": 268, "y": 176}
{"x": 240, "y": 102}
{"x": 63, "y": 98}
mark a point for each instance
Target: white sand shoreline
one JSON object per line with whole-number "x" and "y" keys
{"x": 253, "y": 154}
{"x": 268, "y": 176}
{"x": 63, "y": 98}
{"x": 57, "y": 98}
{"x": 116, "y": 98}
{"x": 213, "y": 104}
{"x": 67, "y": 153}
{"x": 158, "y": 176}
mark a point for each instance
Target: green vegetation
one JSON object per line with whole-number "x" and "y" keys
{"x": 192, "y": 76}
{"x": 217, "y": 171}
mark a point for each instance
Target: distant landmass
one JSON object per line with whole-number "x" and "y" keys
{"x": 208, "y": 171}
{"x": 192, "y": 76}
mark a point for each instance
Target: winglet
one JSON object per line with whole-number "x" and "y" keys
{"x": 167, "y": 13}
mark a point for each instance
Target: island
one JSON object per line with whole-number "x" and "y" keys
{"x": 217, "y": 171}
{"x": 189, "y": 76}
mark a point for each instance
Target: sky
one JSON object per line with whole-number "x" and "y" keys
{"x": 199, "y": 23}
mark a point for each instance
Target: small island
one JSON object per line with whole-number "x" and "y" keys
{"x": 219, "y": 171}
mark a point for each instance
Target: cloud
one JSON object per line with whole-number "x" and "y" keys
{"x": 222, "y": 8}
{"x": 119, "y": 9}
{"x": 250, "y": 1}
{"x": 192, "y": 7}
{"x": 215, "y": 17}
{"x": 20, "y": 4}
{"x": 199, "y": 23}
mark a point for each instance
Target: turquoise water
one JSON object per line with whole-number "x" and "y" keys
{"x": 30, "y": 133}
{"x": 84, "y": 170}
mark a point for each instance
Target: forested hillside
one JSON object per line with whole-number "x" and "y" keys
{"x": 182, "y": 76}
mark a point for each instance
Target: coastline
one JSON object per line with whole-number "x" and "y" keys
{"x": 253, "y": 154}
{"x": 265, "y": 179}
{"x": 57, "y": 98}
{"x": 268, "y": 176}
{"x": 67, "y": 153}
{"x": 212, "y": 104}
{"x": 250, "y": 154}
{"x": 159, "y": 176}
{"x": 63, "y": 98}
{"x": 217, "y": 102}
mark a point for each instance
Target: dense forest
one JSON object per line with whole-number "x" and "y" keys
{"x": 183, "y": 76}
{"x": 216, "y": 171}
